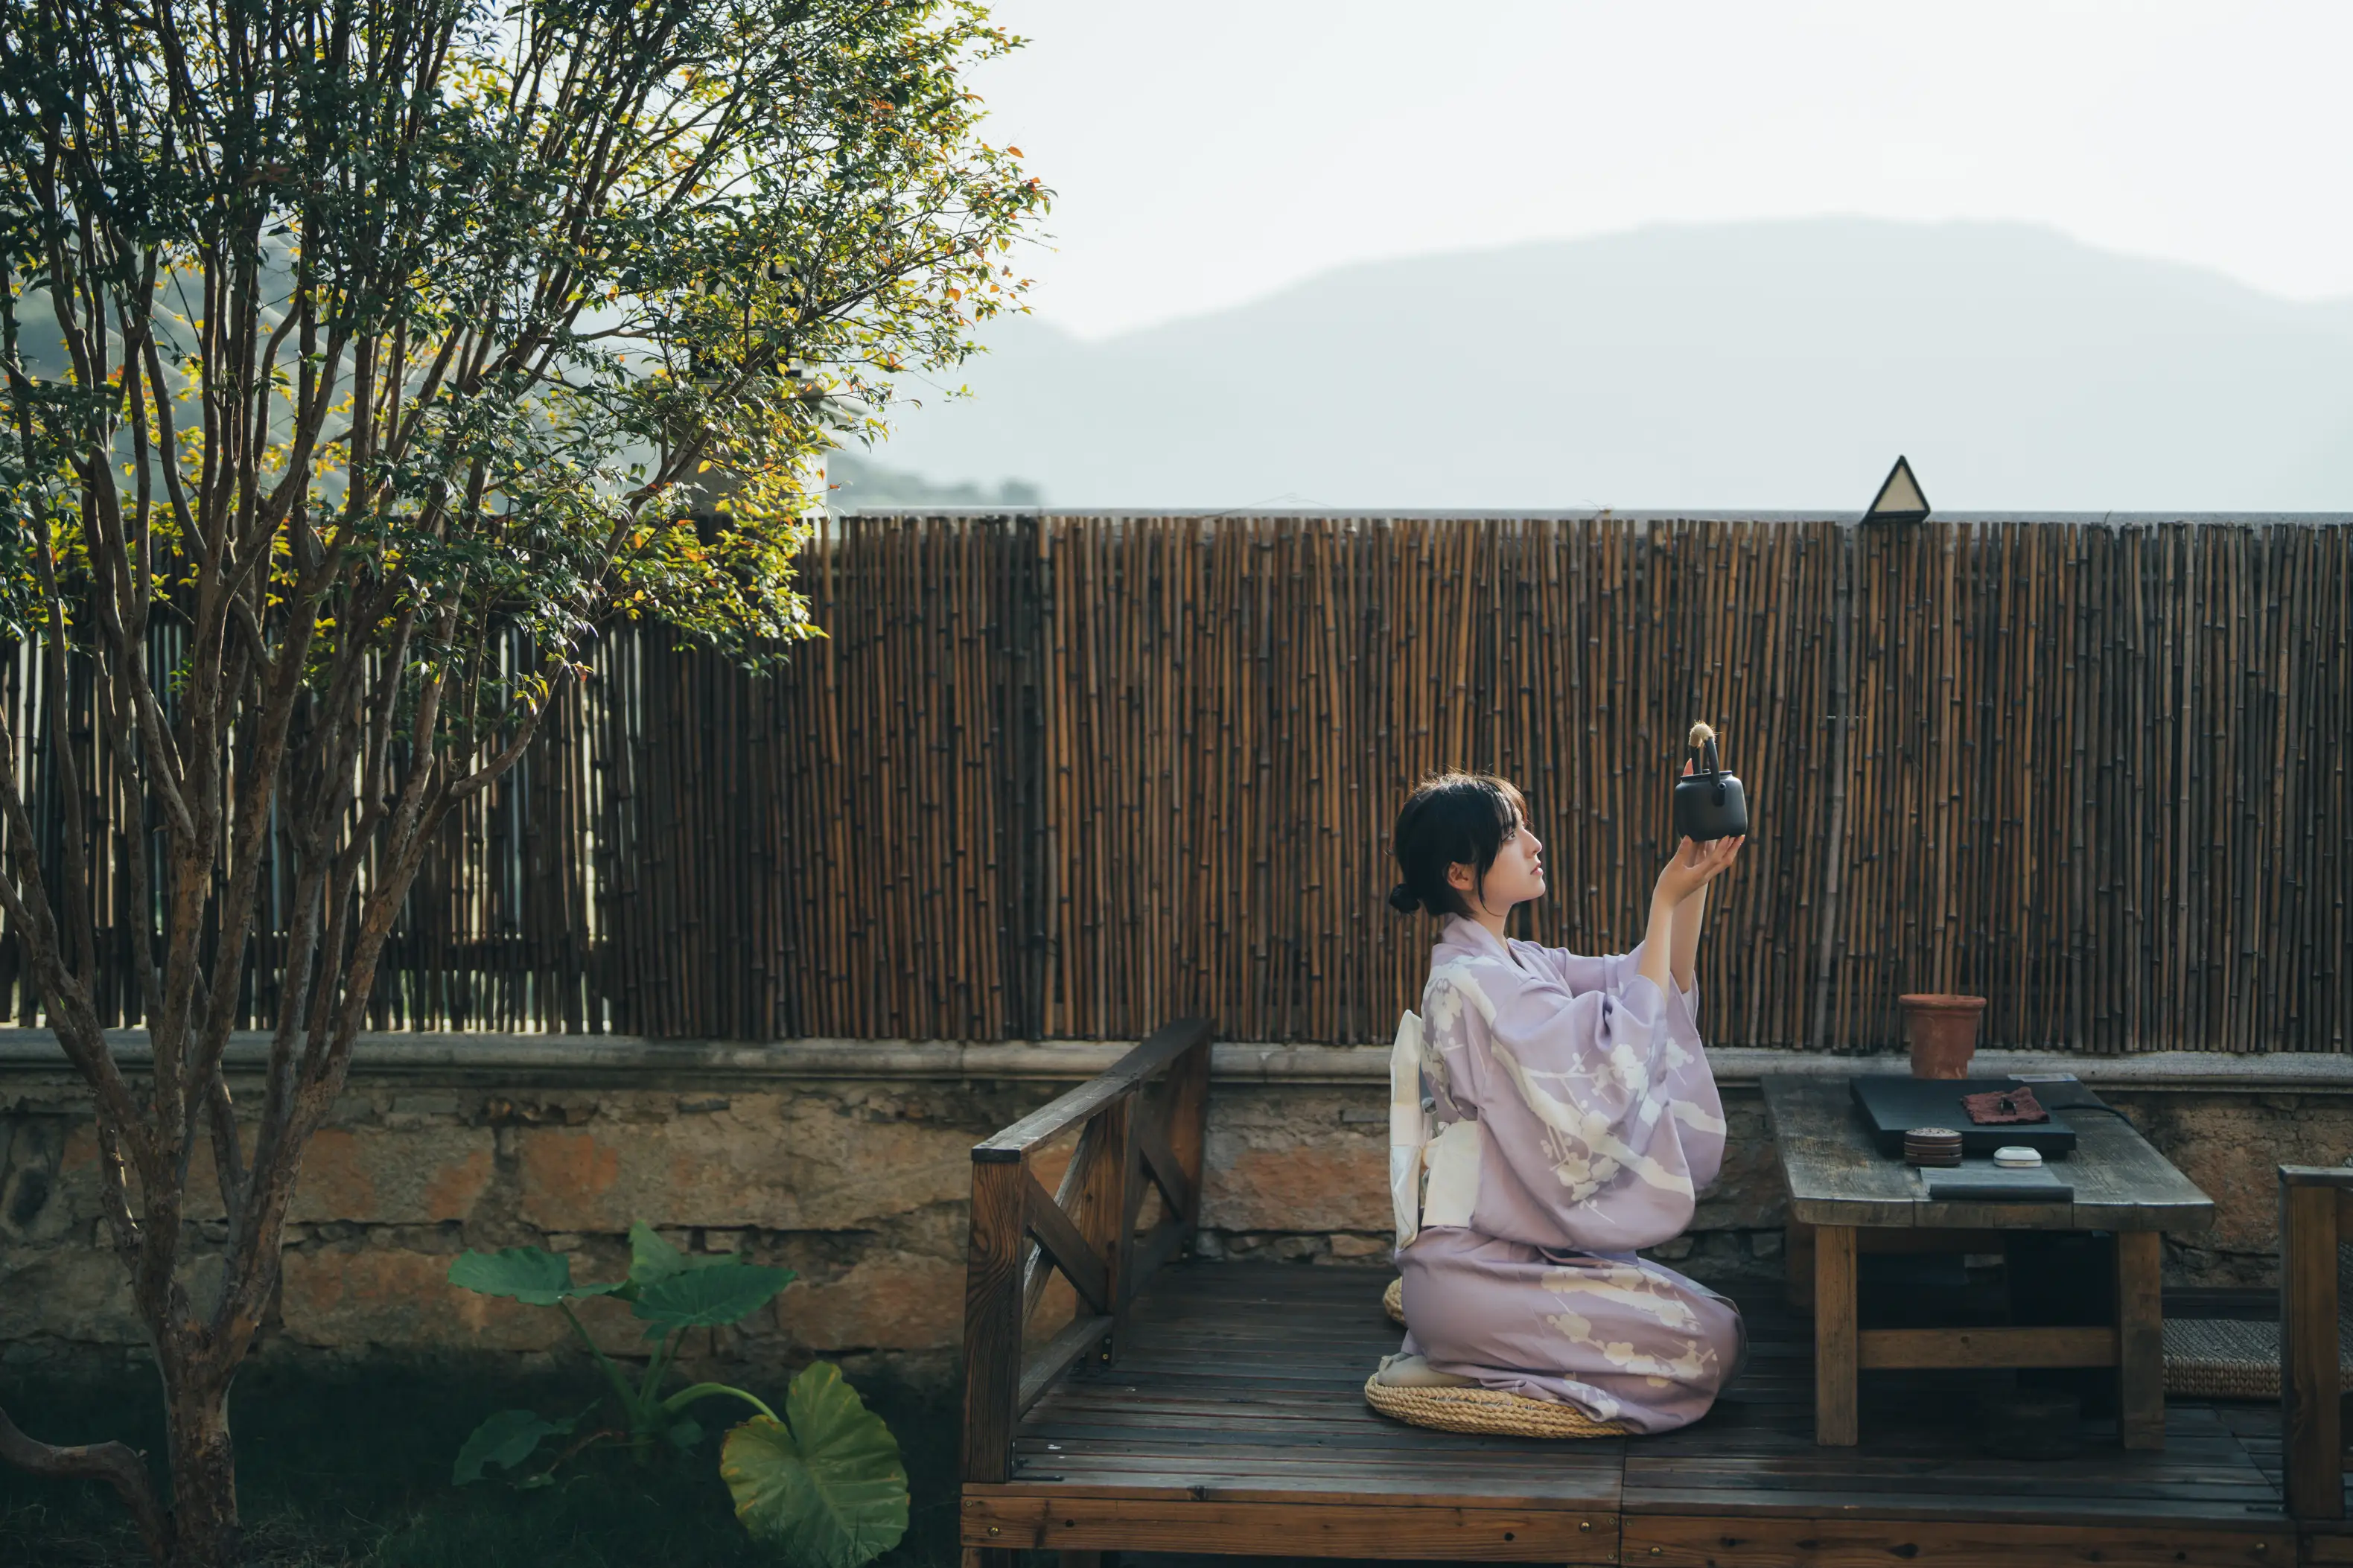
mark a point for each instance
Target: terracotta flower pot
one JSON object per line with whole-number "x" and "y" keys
{"x": 1942, "y": 1030}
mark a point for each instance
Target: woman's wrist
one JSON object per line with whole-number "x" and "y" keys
{"x": 1659, "y": 940}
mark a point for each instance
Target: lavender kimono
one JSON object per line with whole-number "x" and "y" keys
{"x": 1577, "y": 1118}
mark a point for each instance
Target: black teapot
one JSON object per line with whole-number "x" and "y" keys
{"x": 1709, "y": 802}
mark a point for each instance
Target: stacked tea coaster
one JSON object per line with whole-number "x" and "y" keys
{"x": 1932, "y": 1146}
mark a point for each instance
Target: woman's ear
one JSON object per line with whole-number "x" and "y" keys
{"x": 1461, "y": 878}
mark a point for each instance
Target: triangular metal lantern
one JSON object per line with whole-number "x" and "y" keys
{"x": 1900, "y": 499}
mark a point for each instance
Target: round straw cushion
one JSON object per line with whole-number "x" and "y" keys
{"x": 1393, "y": 1302}
{"x": 1488, "y": 1411}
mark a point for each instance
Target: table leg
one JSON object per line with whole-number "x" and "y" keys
{"x": 1835, "y": 1338}
{"x": 2140, "y": 1338}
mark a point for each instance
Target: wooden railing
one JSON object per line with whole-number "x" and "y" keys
{"x": 2316, "y": 1218}
{"x": 1142, "y": 1126}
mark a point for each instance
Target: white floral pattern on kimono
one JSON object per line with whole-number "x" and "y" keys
{"x": 1599, "y": 1122}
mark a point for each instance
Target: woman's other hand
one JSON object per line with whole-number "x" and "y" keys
{"x": 1695, "y": 866}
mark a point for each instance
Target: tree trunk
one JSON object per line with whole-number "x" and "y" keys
{"x": 206, "y": 1533}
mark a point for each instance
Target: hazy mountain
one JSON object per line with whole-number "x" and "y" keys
{"x": 1751, "y": 365}
{"x": 858, "y": 481}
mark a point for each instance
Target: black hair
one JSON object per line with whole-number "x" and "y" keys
{"x": 1451, "y": 819}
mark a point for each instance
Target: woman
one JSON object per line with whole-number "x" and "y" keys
{"x": 1577, "y": 1119}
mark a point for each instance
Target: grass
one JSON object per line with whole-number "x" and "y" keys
{"x": 350, "y": 1469}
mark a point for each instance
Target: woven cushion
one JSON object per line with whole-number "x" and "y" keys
{"x": 1393, "y": 1302}
{"x": 2221, "y": 1358}
{"x": 1489, "y": 1411}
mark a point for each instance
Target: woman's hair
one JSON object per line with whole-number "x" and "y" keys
{"x": 1453, "y": 819}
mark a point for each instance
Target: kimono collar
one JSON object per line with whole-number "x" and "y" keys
{"x": 1462, "y": 931}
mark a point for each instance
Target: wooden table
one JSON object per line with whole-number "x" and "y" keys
{"x": 1854, "y": 1198}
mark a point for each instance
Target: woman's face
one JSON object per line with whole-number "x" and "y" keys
{"x": 1516, "y": 876}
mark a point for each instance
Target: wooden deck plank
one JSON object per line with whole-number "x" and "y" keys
{"x": 1853, "y": 1543}
{"x": 1351, "y": 1527}
{"x": 1235, "y": 1422}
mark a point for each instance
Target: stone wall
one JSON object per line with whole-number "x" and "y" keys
{"x": 849, "y": 1162}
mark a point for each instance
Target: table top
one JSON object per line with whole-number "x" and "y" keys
{"x": 1836, "y": 1176}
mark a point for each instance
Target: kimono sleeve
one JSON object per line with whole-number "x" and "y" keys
{"x": 1589, "y": 1070}
{"x": 1612, "y": 973}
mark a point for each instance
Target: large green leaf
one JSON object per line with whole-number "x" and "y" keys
{"x": 828, "y": 1490}
{"x": 528, "y": 1274}
{"x": 506, "y": 1440}
{"x": 651, "y": 1258}
{"x": 709, "y": 1298}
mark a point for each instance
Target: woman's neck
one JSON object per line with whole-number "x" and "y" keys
{"x": 1493, "y": 923}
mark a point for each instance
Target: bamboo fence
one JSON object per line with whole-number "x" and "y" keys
{"x": 1066, "y": 777}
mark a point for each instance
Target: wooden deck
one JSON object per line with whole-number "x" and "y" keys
{"x": 1233, "y": 1421}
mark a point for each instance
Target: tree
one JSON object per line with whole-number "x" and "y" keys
{"x": 362, "y": 357}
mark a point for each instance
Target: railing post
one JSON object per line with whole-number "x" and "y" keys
{"x": 1101, "y": 1209}
{"x": 2311, "y": 1428}
{"x": 992, "y": 1314}
{"x": 1188, "y": 1124}
{"x": 1127, "y": 1151}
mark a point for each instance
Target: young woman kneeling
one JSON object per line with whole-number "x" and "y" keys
{"x": 1577, "y": 1119}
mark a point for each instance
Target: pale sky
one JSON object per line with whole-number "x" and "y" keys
{"x": 1207, "y": 153}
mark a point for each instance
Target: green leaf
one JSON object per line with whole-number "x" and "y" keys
{"x": 506, "y": 1440}
{"x": 829, "y": 1488}
{"x": 528, "y": 1274}
{"x": 685, "y": 1434}
{"x": 709, "y": 1298}
{"x": 650, "y": 1258}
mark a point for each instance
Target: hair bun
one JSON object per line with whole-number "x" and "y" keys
{"x": 1404, "y": 901}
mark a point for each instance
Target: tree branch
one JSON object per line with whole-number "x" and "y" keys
{"x": 117, "y": 1464}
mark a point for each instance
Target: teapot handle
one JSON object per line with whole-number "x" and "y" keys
{"x": 1703, "y": 743}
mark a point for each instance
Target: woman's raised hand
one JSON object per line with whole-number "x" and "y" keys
{"x": 1695, "y": 866}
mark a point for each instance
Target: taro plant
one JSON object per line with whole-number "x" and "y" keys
{"x": 822, "y": 1481}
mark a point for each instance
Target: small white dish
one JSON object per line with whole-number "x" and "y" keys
{"x": 2017, "y": 1157}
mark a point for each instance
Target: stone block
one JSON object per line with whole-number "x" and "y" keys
{"x": 73, "y": 1293}
{"x": 777, "y": 1161}
{"x": 36, "y": 1197}
{"x": 1283, "y": 1161}
{"x": 1748, "y": 1194}
{"x": 1315, "y": 1183}
{"x": 2232, "y": 1147}
{"x": 892, "y": 1300}
{"x": 346, "y": 1298}
{"x": 416, "y": 1175}
{"x": 82, "y": 1294}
